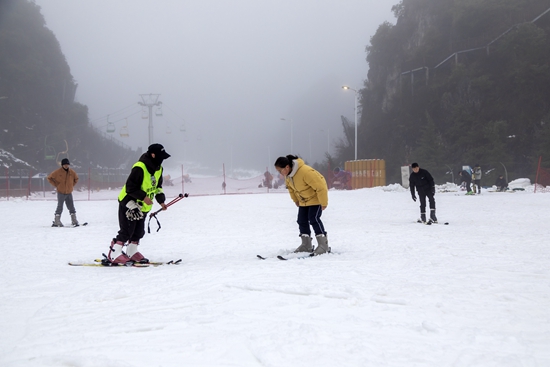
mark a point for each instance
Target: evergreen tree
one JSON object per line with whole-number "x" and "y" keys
{"x": 38, "y": 116}
{"x": 458, "y": 83}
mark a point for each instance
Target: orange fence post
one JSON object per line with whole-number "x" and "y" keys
{"x": 368, "y": 173}
{"x": 363, "y": 169}
{"x": 376, "y": 173}
{"x": 382, "y": 172}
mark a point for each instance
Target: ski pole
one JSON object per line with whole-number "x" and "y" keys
{"x": 180, "y": 196}
{"x": 154, "y": 214}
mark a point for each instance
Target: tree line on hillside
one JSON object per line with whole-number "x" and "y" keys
{"x": 455, "y": 83}
{"x": 40, "y": 122}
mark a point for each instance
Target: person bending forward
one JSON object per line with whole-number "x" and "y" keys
{"x": 309, "y": 191}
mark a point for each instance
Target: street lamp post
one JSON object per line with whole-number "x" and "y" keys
{"x": 355, "y": 90}
{"x": 328, "y": 139}
{"x": 290, "y": 132}
{"x": 310, "y": 147}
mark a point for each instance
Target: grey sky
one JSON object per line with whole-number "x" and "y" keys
{"x": 227, "y": 71}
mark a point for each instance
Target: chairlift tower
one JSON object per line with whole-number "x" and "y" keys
{"x": 150, "y": 101}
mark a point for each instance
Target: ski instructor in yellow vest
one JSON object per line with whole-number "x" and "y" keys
{"x": 135, "y": 200}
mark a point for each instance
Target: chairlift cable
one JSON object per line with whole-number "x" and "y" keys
{"x": 112, "y": 113}
{"x": 164, "y": 105}
{"x": 126, "y": 117}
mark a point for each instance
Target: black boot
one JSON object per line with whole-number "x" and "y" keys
{"x": 433, "y": 218}
{"x": 423, "y": 217}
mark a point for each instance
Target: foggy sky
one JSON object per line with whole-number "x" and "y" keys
{"x": 227, "y": 71}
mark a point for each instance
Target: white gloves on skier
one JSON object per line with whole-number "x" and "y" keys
{"x": 134, "y": 211}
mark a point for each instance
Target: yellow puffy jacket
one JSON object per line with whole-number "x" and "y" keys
{"x": 306, "y": 186}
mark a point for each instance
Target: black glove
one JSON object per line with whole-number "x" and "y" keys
{"x": 134, "y": 211}
{"x": 433, "y": 190}
{"x": 414, "y": 197}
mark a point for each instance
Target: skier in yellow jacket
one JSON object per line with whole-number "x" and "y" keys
{"x": 308, "y": 189}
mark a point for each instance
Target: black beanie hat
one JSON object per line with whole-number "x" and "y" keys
{"x": 159, "y": 151}
{"x": 65, "y": 161}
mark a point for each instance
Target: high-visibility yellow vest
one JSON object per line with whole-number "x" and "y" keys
{"x": 149, "y": 185}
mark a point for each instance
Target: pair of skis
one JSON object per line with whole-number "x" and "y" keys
{"x": 285, "y": 259}
{"x": 430, "y": 222}
{"x": 71, "y": 226}
{"x": 103, "y": 263}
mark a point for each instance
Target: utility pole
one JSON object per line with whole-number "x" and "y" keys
{"x": 356, "y": 97}
{"x": 150, "y": 100}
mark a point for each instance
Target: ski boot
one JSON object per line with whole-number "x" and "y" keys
{"x": 422, "y": 218}
{"x": 57, "y": 221}
{"x": 322, "y": 244}
{"x": 433, "y": 218}
{"x": 116, "y": 255}
{"x": 133, "y": 253}
{"x": 74, "y": 221}
{"x": 306, "y": 244}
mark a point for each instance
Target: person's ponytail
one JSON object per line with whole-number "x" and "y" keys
{"x": 282, "y": 162}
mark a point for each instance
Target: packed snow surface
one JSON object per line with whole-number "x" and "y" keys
{"x": 475, "y": 292}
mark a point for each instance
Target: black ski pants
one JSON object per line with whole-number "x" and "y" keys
{"x": 130, "y": 230}
{"x": 422, "y": 196}
{"x": 478, "y": 184}
{"x": 310, "y": 215}
{"x": 468, "y": 187}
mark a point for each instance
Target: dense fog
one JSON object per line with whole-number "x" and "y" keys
{"x": 238, "y": 81}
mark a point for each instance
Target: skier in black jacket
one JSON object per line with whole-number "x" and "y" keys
{"x": 425, "y": 186}
{"x": 501, "y": 183}
{"x": 466, "y": 177}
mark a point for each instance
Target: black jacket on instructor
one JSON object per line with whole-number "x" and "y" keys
{"x": 422, "y": 181}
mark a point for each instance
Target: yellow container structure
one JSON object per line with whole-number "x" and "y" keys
{"x": 363, "y": 172}
{"x": 369, "y": 182}
{"x": 375, "y": 173}
{"x": 366, "y": 173}
{"x": 382, "y": 172}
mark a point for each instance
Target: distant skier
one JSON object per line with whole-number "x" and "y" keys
{"x": 467, "y": 178}
{"x": 268, "y": 180}
{"x": 134, "y": 202}
{"x": 308, "y": 189}
{"x": 501, "y": 183}
{"x": 342, "y": 179}
{"x": 476, "y": 176}
{"x": 423, "y": 181}
{"x": 64, "y": 179}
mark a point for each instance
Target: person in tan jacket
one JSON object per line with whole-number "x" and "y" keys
{"x": 64, "y": 179}
{"x": 309, "y": 191}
